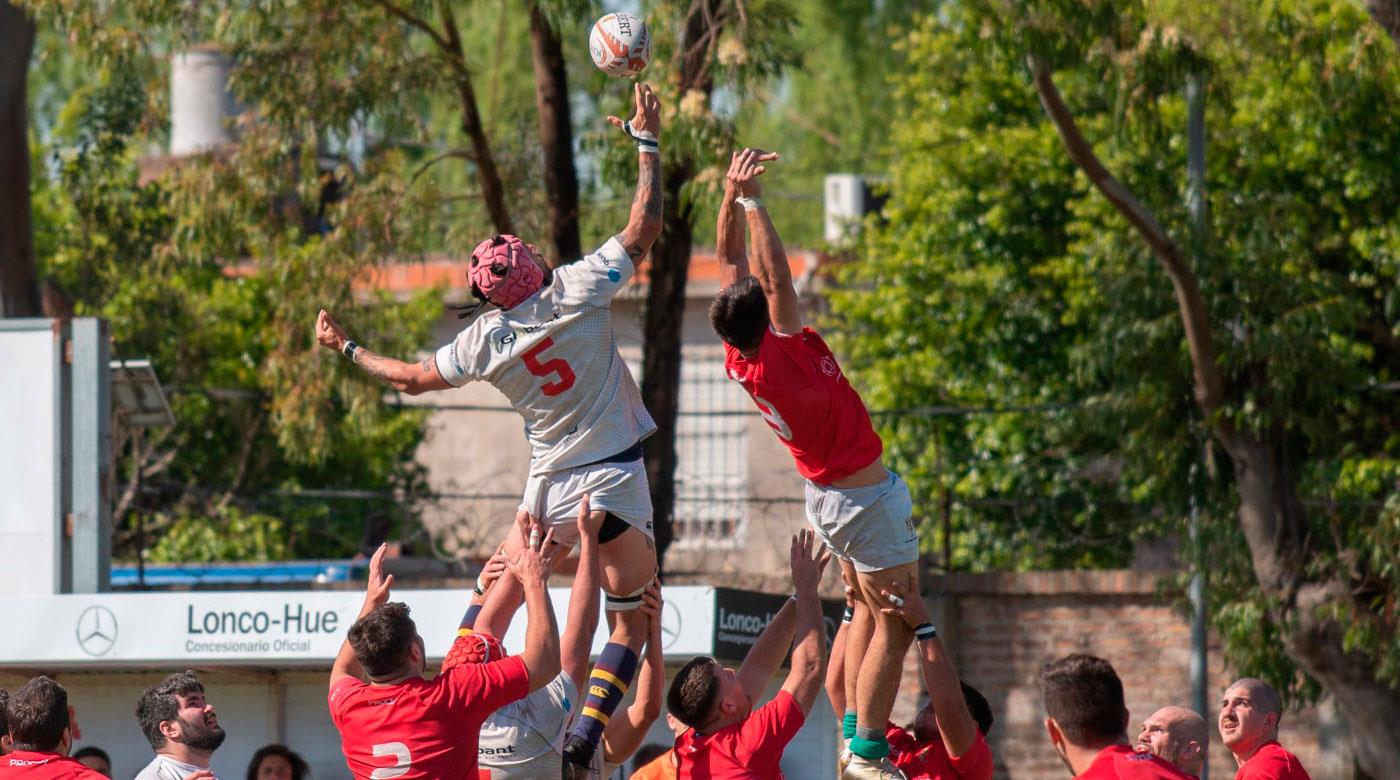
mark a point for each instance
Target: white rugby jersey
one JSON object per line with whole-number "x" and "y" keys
{"x": 555, "y": 357}
{"x": 524, "y": 740}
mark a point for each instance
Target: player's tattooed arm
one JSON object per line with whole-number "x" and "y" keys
{"x": 644, "y": 224}
{"x": 408, "y": 378}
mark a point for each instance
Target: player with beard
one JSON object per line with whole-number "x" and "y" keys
{"x": 547, "y": 344}
{"x": 1178, "y": 736}
{"x": 181, "y": 726}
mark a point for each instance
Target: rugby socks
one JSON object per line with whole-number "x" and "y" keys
{"x": 870, "y": 743}
{"x": 848, "y": 725}
{"x": 607, "y": 686}
{"x": 469, "y": 620}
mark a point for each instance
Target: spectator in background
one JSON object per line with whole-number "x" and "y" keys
{"x": 1178, "y": 736}
{"x": 182, "y": 728}
{"x": 1088, "y": 722}
{"x": 94, "y": 758}
{"x": 658, "y": 762}
{"x": 277, "y": 762}
{"x": 40, "y": 736}
{"x": 1249, "y": 716}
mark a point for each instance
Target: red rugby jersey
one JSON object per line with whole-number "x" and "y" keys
{"x": 747, "y": 750}
{"x": 931, "y": 760}
{"x": 1272, "y": 762}
{"x": 29, "y": 765}
{"x": 1121, "y": 762}
{"x": 421, "y": 728}
{"x": 803, "y": 395}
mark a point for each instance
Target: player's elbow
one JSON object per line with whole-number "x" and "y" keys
{"x": 542, "y": 667}
{"x": 807, "y": 666}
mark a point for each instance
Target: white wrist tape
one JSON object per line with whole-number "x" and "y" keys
{"x": 647, "y": 142}
{"x": 750, "y": 204}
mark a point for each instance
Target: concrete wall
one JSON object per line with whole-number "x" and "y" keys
{"x": 1001, "y": 628}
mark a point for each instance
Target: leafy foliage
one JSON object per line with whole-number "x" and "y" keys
{"x": 997, "y": 278}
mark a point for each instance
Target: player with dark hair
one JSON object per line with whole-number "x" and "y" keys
{"x": 1178, "y": 736}
{"x": 277, "y": 762}
{"x": 860, "y": 509}
{"x": 94, "y": 758}
{"x": 180, "y": 723}
{"x": 728, "y": 739}
{"x": 1088, "y": 722}
{"x": 548, "y": 345}
{"x": 399, "y": 724}
{"x": 41, "y": 735}
{"x": 948, "y": 739}
{"x": 1250, "y": 712}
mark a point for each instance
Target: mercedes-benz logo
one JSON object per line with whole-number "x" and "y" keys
{"x": 97, "y": 630}
{"x": 670, "y": 625}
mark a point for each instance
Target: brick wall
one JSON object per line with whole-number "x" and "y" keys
{"x": 1000, "y": 628}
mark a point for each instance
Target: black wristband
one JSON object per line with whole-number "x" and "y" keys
{"x": 924, "y": 632}
{"x": 349, "y": 350}
{"x": 848, "y": 614}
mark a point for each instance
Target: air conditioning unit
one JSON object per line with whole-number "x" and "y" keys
{"x": 849, "y": 198}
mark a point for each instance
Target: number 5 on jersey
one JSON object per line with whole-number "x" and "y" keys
{"x": 553, "y": 367}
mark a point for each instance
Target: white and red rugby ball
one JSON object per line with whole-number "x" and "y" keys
{"x": 620, "y": 44}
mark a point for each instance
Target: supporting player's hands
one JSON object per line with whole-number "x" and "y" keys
{"x": 908, "y": 606}
{"x": 492, "y": 570}
{"x": 377, "y": 588}
{"x": 329, "y": 333}
{"x": 588, "y": 526}
{"x": 531, "y": 566}
{"x": 745, "y": 166}
{"x": 651, "y": 606}
{"x": 809, "y": 560}
{"x": 647, "y": 118}
{"x": 851, "y": 592}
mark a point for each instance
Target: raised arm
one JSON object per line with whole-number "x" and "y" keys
{"x": 804, "y": 681}
{"x": 376, "y": 594}
{"x": 626, "y": 731}
{"x": 583, "y": 599}
{"x": 771, "y": 265}
{"x": 411, "y": 378}
{"x": 644, "y": 225}
{"x": 729, "y": 231}
{"x": 768, "y": 651}
{"x": 541, "y": 653}
{"x": 945, "y": 695}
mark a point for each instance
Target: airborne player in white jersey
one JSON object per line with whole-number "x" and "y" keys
{"x": 548, "y": 345}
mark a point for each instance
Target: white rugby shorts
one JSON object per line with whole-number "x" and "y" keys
{"x": 872, "y": 526}
{"x": 619, "y": 488}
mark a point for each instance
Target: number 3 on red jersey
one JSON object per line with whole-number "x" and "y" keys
{"x": 402, "y": 760}
{"x": 775, "y": 421}
{"x": 552, "y": 367}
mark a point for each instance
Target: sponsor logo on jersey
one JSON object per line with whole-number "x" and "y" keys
{"x": 614, "y": 275}
{"x": 540, "y": 326}
{"x": 501, "y": 338}
{"x": 496, "y": 751}
{"x": 829, "y": 367}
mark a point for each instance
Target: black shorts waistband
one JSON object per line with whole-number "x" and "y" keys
{"x": 626, "y": 456}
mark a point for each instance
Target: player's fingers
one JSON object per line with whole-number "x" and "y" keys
{"x": 584, "y": 507}
{"x": 639, "y": 97}
{"x": 758, "y": 170}
{"x": 616, "y": 122}
{"x": 767, "y": 156}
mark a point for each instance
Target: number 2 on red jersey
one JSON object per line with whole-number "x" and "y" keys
{"x": 549, "y": 368}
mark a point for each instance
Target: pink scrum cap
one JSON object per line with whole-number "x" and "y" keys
{"x": 504, "y": 271}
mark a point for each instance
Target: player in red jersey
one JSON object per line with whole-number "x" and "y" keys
{"x": 1250, "y": 713}
{"x": 40, "y": 735}
{"x": 947, "y": 742}
{"x": 1178, "y": 736}
{"x": 1088, "y": 722}
{"x": 400, "y": 725}
{"x": 728, "y": 738}
{"x": 860, "y": 509}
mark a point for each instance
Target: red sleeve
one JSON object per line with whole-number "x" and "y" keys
{"x": 340, "y": 693}
{"x": 768, "y": 730}
{"x": 481, "y": 689}
{"x": 898, "y": 738}
{"x": 976, "y": 763}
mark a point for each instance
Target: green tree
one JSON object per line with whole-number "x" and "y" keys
{"x": 1012, "y": 274}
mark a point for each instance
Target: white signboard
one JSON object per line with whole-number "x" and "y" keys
{"x": 269, "y": 628}
{"x": 29, "y": 477}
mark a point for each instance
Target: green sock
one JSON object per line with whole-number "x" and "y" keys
{"x": 870, "y": 744}
{"x": 848, "y": 725}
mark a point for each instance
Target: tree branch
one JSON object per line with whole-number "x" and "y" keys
{"x": 414, "y": 20}
{"x": 1209, "y": 381}
{"x": 492, "y": 189}
{"x": 1387, "y": 15}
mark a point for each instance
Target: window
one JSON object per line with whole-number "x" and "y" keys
{"x": 712, "y": 463}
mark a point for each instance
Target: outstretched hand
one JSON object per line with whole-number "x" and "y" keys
{"x": 745, "y": 166}
{"x": 647, "y": 118}
{"x": 532, "y": 564}
{"x": 329, "y": 333}
{"x": 651, "y": 606}
{"x": 809, "y": 560}
{"x": 588, "y": 525}
{"x": 377, "y": 588}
